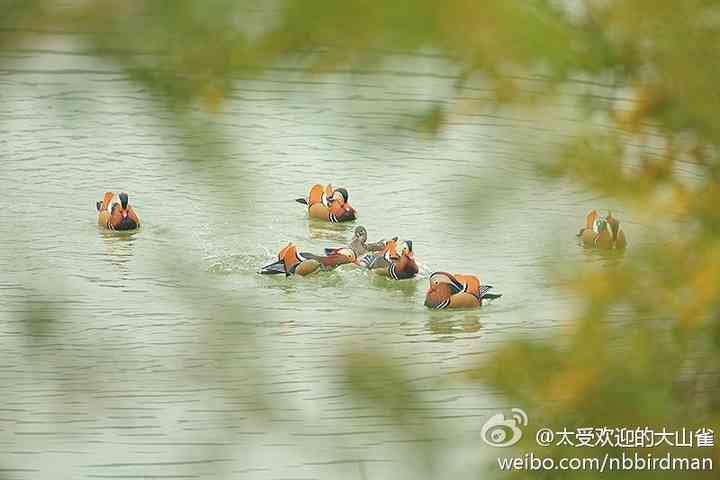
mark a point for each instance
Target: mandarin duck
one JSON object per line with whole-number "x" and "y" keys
{"x": 602, "y": 233}
{"x": 449, "y": 290}
{"x": 114, "y": 212}
{"x": 391, "y": 264}
{"x": 329, "y": 203}
{"x": 359, "y": 244}
{"x": 292, "y": 262}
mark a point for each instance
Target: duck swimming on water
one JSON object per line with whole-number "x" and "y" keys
{"x": 448, "y": 290}
{"x": 359, "y": 244}
{"x": 603, "y": 233}
{"x": 329, "y": 203}
{"x": 391, "y": 264}
{"x": 115, "y": 213}
{"x": 292, "y": 262}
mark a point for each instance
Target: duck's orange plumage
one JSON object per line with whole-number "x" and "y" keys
{"x": 320, "y": 194}
{"x": 590, "y": 219}
{"x": 107, "y": 198}
{"x": 289, "y": 256}
{"x": 103, "y": 209}
{"x": 390, "y": 250}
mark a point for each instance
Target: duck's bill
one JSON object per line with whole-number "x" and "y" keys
{"x": 274, "y": 268}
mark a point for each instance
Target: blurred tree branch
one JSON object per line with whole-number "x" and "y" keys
{"x": 660, "y": 365}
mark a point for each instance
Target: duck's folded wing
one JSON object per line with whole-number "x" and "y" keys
{"x": 374, "y": 261}
{"x": 375, "y": 247}
{"x": 316, "y": 195}
{"x": 334, "y": 260}
{"x": 467, "y": 283}
{"x": 132, "y": 215}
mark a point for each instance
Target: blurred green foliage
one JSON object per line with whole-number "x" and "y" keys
{"x": 660, "y": 365}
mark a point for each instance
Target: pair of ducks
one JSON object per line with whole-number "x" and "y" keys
{"x": 114, "y": 212}
{"x": 331, "y": 204}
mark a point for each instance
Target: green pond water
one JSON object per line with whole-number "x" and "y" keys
{"x": 164, "y": 354}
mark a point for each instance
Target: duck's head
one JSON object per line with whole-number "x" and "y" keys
{"x": 601, "y": 225}
{"x": 360, "y": 234}
{"x": 341, "y": 193}
{"x": 331, "y": 194}
{"x": 340, "y": 210}
{"x": 123, "y": 205}
{"x": 123, "y": 200}
{"x": 406, "y": 263}
{"x": 440, "y": 289}
{"x": 613, "y": 223}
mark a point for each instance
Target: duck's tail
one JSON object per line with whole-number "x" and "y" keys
{"x": 484, "y": 293}
{"x": 302, "y": 200}
{"x": 273, "y": 268}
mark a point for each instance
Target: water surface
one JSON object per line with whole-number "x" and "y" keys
{"x": 163, "y": 354}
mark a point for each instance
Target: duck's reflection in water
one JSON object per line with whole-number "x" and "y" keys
{"x": 457, "y": 322}
{"x": 611, "y": 258}
{"x": 340, "y": 233}
{"x": 407, "y": 287}
{"x": 118, "y": 250}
